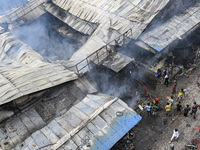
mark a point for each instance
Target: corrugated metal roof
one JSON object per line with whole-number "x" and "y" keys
{"x": 25, "y": 13}
{"x": 23, "y": 71}
{"x": 113, "y": 18}
{"x": 97, "y": 122}
{"x": 175, "y": 28}
{"x": 122, "y": 14}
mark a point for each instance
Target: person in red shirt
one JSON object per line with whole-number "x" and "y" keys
{"x": 174, "y": 87}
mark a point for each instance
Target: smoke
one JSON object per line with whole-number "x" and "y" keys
{"x": 42, "y": 36}
{"x": 7, "y": 5}
{"x": 136, "y": 52}
{"x": 122, "y": 84}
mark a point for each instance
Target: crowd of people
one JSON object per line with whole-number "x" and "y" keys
{"x": 154, "y": 106}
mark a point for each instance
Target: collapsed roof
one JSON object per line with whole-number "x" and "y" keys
{"x": 178, "y": 26}
{"x": 23, "y": 71}
{"x": 97, "y": 122}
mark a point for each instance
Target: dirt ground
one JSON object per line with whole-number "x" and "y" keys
{"x": 185, "y": 125}
{"x": 154, "y": 133}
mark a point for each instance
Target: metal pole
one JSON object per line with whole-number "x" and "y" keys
{"x": 77, "y": 69}
{"x": 123, "y": 39}
{"x": 88, "y": 64}
{"x": 97, "y": 57}
{"x": 107, "y": 51}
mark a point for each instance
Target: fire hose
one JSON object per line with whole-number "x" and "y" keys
{"x": 149, "y": 93}
{"x": 152, "y": 98}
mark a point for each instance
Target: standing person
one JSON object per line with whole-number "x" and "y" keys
{"x": 168, "y": 108}
{"x": 186, "y": 110}
{"x": 175, "y": 135}
{"x": 166, "y": 80}
{"x": 154, "y": 110}
{"x": 164, "y": 73}
{"x": 148, "y": 107}
{"x": 174, "y": 87}
{"x": 181, "y": 94}
{"x": 178, "y": 107}
{"x": 153, "y": 102}
{"x": 171, "y": 100}
{"x": 194, "y": 109}
{"x": 157, "y": 101}
{"x": 159, "y": 73}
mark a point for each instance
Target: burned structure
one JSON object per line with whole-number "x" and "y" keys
{"x": 59, "y": 56}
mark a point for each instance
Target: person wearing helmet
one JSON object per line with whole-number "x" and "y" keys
{"x": 194, "y": 109}
{"x": 174, "y": 87}
{"x": 157, "y": 100}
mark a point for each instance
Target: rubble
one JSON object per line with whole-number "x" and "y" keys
{"x": 48, "y": 103}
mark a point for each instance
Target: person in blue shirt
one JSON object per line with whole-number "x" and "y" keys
{"x": 148, "y": 108}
